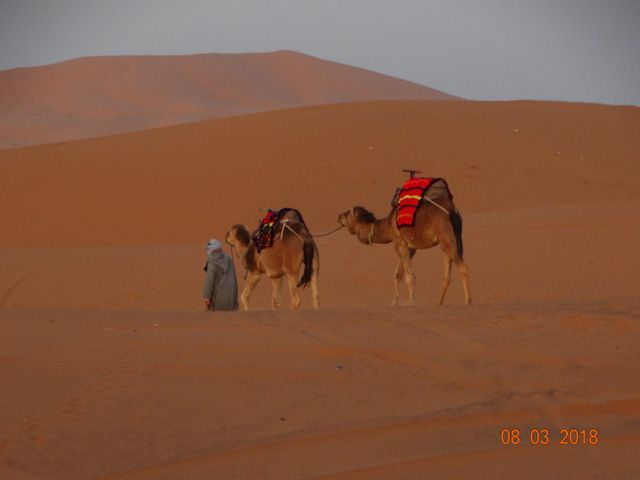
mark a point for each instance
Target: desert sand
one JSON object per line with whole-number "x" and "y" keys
{"x": 111, "y": 370}
{"x": 93, "y": 96}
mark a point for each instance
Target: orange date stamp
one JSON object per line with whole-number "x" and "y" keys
{"x": 545, "y": 436}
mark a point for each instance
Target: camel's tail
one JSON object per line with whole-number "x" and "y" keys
{"x": 456, "y": 223}
{"x": 309, "y": 249}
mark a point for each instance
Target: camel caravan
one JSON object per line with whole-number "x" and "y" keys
{"x": 422, "y": 216}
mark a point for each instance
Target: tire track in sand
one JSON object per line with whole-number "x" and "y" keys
{"x": 10, "y": 292}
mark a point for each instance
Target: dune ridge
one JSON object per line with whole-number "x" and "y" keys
{"x": 96, "y": 96}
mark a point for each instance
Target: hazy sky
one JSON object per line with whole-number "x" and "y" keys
{"x": 577, "y": 50}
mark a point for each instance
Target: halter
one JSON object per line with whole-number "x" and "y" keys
{"x": 370, "y": 238}
{"x": 373, "y": 225}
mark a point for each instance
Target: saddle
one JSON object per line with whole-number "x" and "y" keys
{"x": 264, "y": 235}
{"x": 410, "y": 196}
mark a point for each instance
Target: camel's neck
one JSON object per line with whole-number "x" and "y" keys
{"x": 379, "y": 231}
{"x": 246, "y": 252}
{"x": 241, "y": 249}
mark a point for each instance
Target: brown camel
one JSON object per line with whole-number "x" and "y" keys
{"x": 432, "y": 227}
{"x": 292, "y": 247}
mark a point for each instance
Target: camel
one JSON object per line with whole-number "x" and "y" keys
{"x": 432, "y": 227}
{"x": 293, "y": 246}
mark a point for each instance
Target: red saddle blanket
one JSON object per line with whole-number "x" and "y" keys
{"x": 263, "y": 236}
{"x": 409, "y": 199}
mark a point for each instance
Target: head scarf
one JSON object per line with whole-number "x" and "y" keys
{"x": 213, "y": 245}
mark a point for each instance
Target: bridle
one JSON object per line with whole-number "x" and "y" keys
{"x": 363, "y": 215}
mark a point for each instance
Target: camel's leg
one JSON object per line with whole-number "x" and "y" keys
{"x": 399, "y": 275}
{"x": 315, "y": 291}
{"x": 396, "y": 284}
{"x": 464, "y": 274}
{"x": 293, "y": 291}
{"x": 405, "y": 254}
{"x": 275, "y": 292}
{"x": 447, "y": 242}
{"x": 446, "y": 280}
{"x": 411, "y": 277}
{"x": 250, "y": 284}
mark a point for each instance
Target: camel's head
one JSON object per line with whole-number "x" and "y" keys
{"x": 355, "y": 216}
{"x": 237, "y": 235}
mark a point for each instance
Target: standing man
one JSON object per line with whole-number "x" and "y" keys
{"x": 220, "y": 290}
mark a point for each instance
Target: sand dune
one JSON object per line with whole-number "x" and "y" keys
{"x": 174, "y": 185}
{"x": 547, "y": 199}
{"x": 110, "y": 371}
{"x": 90, "y": 97}
{"x": 338, "y": 394}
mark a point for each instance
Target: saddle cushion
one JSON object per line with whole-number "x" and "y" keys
{"x": 409, "y": 199}
{"x": 264, "y": 236}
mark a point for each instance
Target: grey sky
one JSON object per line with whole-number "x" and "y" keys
{"x": 576, "y": 50}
